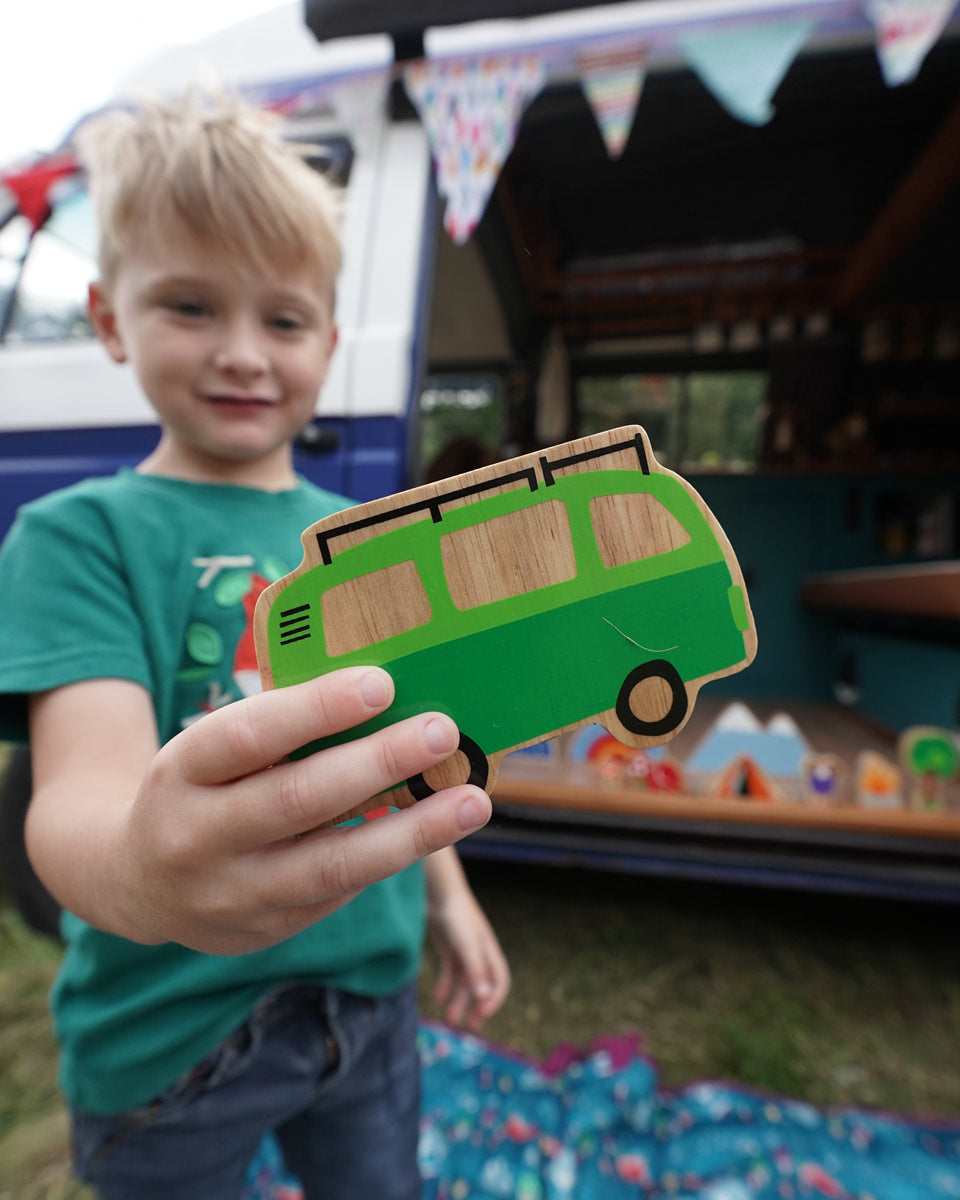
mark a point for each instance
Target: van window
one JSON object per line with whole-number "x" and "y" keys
{"x": 509, "y": 555}
{"x": 373, "y": 607}
{"x": 696, "y": 420}
{"x": 51, "y": 300}
{"x": 631, "y": 527}
{"x": 14, "y": 238}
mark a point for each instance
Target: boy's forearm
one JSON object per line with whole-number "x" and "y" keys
{"x": 91, "y": 745}
{"x": 75, "y": 846}
{"x": 445, "y": 875}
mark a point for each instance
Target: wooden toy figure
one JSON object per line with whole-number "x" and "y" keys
{"x": 931, "y": 758}
{"x": 585, "y": 583}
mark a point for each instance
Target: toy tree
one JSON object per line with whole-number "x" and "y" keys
{"x": 931, "y": 757}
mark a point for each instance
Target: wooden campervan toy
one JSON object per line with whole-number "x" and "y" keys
{"x": 585, "y": 583}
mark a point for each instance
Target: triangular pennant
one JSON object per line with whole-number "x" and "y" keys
{"x": 906, "y": 30}
{"x": 612, "y": 83}
{"x": 743, "y": 67}
{"x": 31, "y": 188}
{"x": 359, "y": 102}
{"x": 470, "y": 109}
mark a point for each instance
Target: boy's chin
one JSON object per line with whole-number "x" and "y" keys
{"x": 260, "y": 464}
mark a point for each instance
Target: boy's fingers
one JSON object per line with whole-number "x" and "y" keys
{"x": 343, "y": 861}
{"x": 295, "y": 797}
{"x": 248, "y": 736}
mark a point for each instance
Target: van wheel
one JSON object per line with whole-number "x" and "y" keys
{"x": 31, "y": 899}
{"x": 476, "y": 759}
{"x": 659, "y": 705}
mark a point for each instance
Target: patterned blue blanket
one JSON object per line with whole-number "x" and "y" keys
{"x": 599, "y": 1127}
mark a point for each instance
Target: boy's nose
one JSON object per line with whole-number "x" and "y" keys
{"x": 240, "y": 352}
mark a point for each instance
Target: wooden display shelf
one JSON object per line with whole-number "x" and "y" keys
{"x": 559, "y": 795}
{"x": 572, "y": 788}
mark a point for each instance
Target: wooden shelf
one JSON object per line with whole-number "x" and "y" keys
{"x": 928, "y": 591}
{"x": 559, "y": 796}
{"x": 572, "y": 791}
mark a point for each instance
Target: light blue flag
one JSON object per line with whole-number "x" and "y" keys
{"x": 743, "y": 67}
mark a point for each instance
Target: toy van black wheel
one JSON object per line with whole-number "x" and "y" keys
{"x": 479, "y": 770}
{"x": 657, "y": 668}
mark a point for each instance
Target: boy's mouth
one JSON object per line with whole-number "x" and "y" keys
{"x": 230, "y": 401}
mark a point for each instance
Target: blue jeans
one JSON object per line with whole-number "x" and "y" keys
{"x": 335, "y": 1075}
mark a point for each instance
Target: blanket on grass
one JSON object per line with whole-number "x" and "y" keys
{"x": 598, "y": 1126}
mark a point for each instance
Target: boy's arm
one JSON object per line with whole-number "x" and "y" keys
{"x": 474, "y": 976}
{"x": 207, "y": 840}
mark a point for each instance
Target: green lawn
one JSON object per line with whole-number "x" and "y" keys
{"x": 835, "y": 1001}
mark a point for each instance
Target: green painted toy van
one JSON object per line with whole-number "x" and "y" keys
{"x": 579, "y": 584}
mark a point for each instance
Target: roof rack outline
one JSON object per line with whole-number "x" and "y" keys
{"x": 433, "y": 504}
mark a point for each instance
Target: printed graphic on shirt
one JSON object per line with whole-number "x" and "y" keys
{"x": 218, "y": 662}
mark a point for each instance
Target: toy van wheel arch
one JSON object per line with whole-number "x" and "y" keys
{"x": 479, "y": 770}
{"x": 667, "y": 722}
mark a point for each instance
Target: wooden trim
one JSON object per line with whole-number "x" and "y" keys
{"x": 926, "y": 186}
{"x": 925, "y": 590}
{"x": 677, "y": 806}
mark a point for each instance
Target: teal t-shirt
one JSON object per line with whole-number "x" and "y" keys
{"x": 155, "y": 580}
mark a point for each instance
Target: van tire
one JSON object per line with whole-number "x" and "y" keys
{"x": 479, "y": 770}
{"x": 657, "y": 668}
{"x": 30, "y": 898}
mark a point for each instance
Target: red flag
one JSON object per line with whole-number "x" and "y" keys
{"x": 31, "y": 188}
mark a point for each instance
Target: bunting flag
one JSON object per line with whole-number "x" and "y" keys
{"x": 612, "y": 83}
{"x": 906, "y": 30}
{"x": 743, "y": 67}
{"x": 359, "y": 103}
{"x": 470, "y": 109}
{"x": 31, "y": 188}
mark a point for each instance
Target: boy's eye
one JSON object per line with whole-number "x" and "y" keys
{"x": 189, "y": 308}
{"x": 286, "y": 322}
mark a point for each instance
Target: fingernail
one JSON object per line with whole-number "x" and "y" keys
{"x": 472, "y": 814}
{"x": 440, "y": 738}
{"x": 374, "y": 690}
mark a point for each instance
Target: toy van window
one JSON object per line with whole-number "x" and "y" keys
{"x": 50, "y": 304}
{"x": 632, "y": 527}
{"x": 509, "y": 555}
{"x": 373, "y": 607}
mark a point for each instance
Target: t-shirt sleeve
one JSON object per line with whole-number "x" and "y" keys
{"x": 66, "y": 606}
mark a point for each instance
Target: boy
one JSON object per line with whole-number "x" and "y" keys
{"x": 202, "y": 999}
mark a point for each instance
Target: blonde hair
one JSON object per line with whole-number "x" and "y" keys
{"x": 217, "y": 168}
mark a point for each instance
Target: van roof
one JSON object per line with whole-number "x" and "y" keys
{"x": 345, "y": 37}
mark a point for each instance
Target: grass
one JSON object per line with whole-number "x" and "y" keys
{"x": 835, "y": 1001}
{"x": 34, "y": 1155}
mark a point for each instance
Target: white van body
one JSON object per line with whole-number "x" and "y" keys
{"x": 67, "y": 411}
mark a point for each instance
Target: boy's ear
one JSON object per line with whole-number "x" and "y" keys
{"x": 103, "y": 318}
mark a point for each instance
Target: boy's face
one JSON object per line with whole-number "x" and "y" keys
{"x": 231, "y": 360}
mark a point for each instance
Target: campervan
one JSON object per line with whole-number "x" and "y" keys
{"x": 486, "y": 316}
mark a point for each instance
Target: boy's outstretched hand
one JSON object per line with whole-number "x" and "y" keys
{"x": 205, "y": 841}
{"x": 473, "y": 978}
